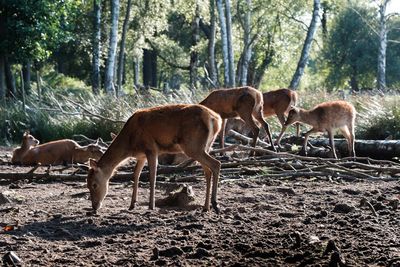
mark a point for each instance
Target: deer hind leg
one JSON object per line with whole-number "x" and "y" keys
{"x": 210, "y": 166}
{"x": 306, "y": 136}
{"x": 152, "y": 159}
{"x": 332, "y": 143}
{"x": 281, "y": 118}
{"x": 258, "y": 115}
{"x": 349, "y": 135}
{"x": 136, "y": 174}
{"x": 222, "y": 134}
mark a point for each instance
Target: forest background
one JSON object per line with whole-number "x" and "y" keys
{"x": 70, "y": 67}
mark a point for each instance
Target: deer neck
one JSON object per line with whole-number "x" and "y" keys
{"x": 115, "y": 154}
{"x": 306, "y": 116}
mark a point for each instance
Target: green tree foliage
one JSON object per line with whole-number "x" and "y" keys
{"x": 350, "y": 52}
{"x": 34, "y": 28}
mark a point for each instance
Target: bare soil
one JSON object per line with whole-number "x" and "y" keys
{"x": 268, "y": 222}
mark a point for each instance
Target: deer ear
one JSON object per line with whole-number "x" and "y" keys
{"x": 26, "y": 133}
{"x": 113, "y": 135}
{"x": 93, "y": 164}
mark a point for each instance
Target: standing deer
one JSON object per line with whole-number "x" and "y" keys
{"x": 28, "y": 141}
{"x": 63, "y": 151}
{"x": 189, "y": 128}
{"x": 327, "y": 116}
{"x": 244, "y": 102}
{"x": 279, "y": 102}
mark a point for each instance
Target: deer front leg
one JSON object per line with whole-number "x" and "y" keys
{"x": 304, "y": 149}
{"x": 152, "y": 160}
{"x": 332, "y": 143}
{"x": 136, "y": 174}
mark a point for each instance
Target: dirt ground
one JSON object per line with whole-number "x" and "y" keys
{"x": 263, "y": 222}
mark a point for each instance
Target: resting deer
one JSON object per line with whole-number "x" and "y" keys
{"x": 63, "y": 151}
{"x": 279, "y": 102}
{"x": 190, "y": 129}
{"x": 28, "y": 141}
{"x": 244, "y": 102}
{"x": 327, "y": 117}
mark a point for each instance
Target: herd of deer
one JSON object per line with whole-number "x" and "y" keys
{"x": 190, "y": 129}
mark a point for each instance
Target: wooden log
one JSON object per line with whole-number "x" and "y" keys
{"x": 377, "y": 149}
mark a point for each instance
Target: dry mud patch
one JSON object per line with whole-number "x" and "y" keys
{"x": 262, "y": 222}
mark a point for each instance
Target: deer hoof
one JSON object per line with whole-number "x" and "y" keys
{"x": 215, "y": 207}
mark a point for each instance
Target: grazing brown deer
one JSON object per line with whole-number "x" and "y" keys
{"x": 63, "y": 151}
{"x": 189, "y": 128}
{"x": 327, "y": 116}
{"x": 28, "y": 141}
{"x": 244, "y": 102}
{"x": 279, "y": 102}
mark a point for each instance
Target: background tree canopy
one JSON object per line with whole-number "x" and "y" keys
{"x": 183, "y": 44}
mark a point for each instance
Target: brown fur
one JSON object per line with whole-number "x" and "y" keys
{"x": 327, "y": 116}
{"x": 244, "y": 102}
{"x": 28, "y": 141}
{"x": 63, "y": 151}
{"x": 190, "y": 129}
{"x": 279, "y": 102}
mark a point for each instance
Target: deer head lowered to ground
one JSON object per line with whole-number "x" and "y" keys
{"x": 190, "y": 129}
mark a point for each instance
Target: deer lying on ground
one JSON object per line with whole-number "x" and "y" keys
{"x": 28, "y": 141}
{"x": 327, "y": 117}
{"x": 63, "y": 151}
{"x": 190, "y": 129}
{"x": 279, "y": 102}
{"x": 244, "y": 102}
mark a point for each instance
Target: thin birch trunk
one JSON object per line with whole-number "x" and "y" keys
{"x": 96, "y": 46}
{"x": 224, "y": 41}
{"x": 230, "y": 45}
{"x": 294, "y": 84}
{"x": 382, "y": 46}
{"x": 122, "y": 48}
{"x": 2, "y": 78}
{"x": 110, "y": 66}
{"x": 212, "y": 67}
{"x": 247, "y": 49}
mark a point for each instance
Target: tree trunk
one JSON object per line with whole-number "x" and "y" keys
{"x": 212, "y": 66}
{"x": 294, "y": 84}
{"x": 122, "y": 48}
{"x": 224, "y": 41}
{"x": 149, "y": 68}
{"x": 10, "y": 79}
{"x": 232, "y": 82}
{"x": 382, "y": 46}
{"x": 3, "y": 86}
{"x": 136, "y": 72}
{"x": 110, "y": 66}
{"x": 194, "y": 55}
{"x": 354, "y": 81}
{"x": 96, "y": 46}
{"x": 247, "y": 49}
{"x": 26, "y": 73}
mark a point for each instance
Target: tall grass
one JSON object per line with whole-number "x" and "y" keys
{"x": 65, "y": 113}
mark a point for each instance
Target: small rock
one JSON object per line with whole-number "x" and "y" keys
{"x": 351, "y": 191}
{"x": 343, "y": 208}
{"x": 57, "y": 216}
{"x": 170, "y": 252}
{"x": 161, "y": 262}
{"x": 4, "y": 199}
{"x": 394, "y": 203}
{"x": 379, "y": 206}
{"x": 90, "y": 221}
{"x": 203, "y": 245}
{"x": 312, "y": 239}
{"x": 156, "y": 254}
{"x": 201, "y": 253}
{"x": 286, "y": 190}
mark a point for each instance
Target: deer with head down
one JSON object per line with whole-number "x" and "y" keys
{"x": 28, "y": 141}
{"x": 188, "y": 128}
{"x": 327, "y": 116}
{"x": 244, "y": 102}
{"x": 63, "y": 151}
{"x": 279, "y": 102}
